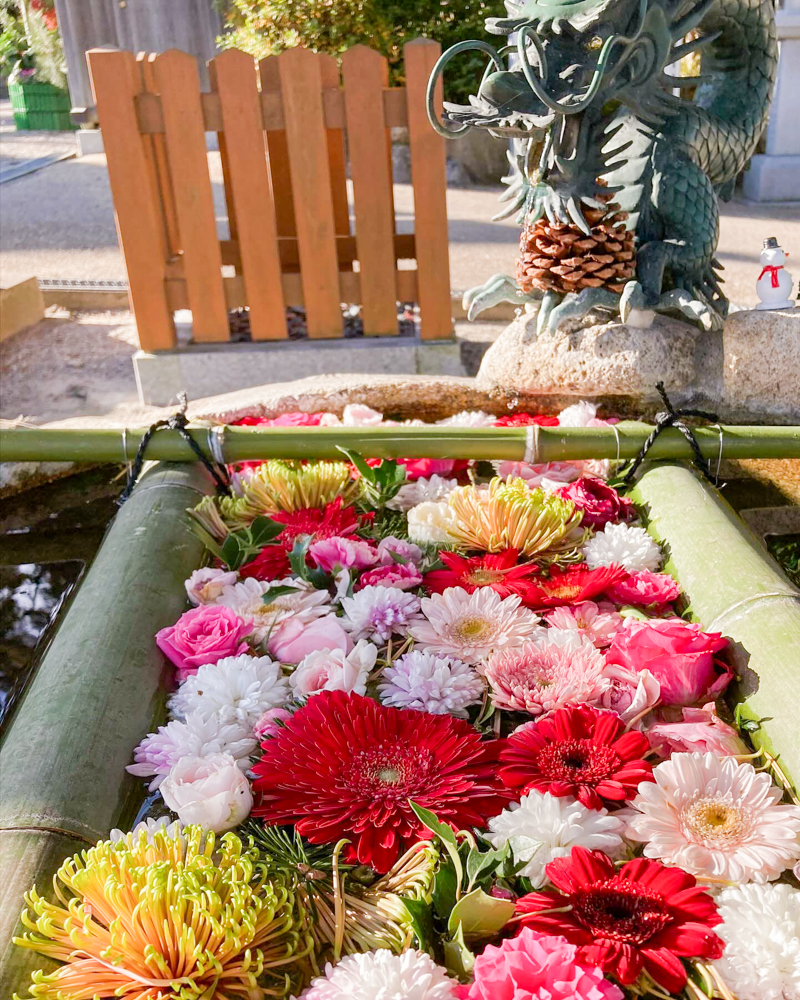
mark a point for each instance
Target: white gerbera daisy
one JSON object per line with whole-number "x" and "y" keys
{"x": 239, "y": 688}
{"x": 471, "y": 626}
{"x": 761, "y": 931}
{"x": 247, "y": 600}
{"x": 380, "y": 975}
{"x": 469, "y": 418}
{"x": 429, "y": 683}
{"x": 432, "y": 523}
{"x": 422, "y": 491}
{"x": 379, "y": 612}
{"x": 716, "y": 818}
{"x": 541, "y": 827}
{"x": 627, "y": 546}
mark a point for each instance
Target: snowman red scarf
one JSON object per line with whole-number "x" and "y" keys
{"x": 773, "y": 269}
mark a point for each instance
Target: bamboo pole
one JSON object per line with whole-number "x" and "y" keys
{"x": 96, "y": 693}
{"x": 734, "y": 587}
{"x": 544, "y": 444}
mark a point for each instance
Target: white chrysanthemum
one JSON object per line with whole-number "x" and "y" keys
{"x": 541, "y": 827}
{"x": 429, "y": 683}
{"x": 563, "y": 638}
{"x": 148, "y": 827}
{"x": 631, "y": 548}
{"x": 247, "y": 600}
{"x": 195, "y": 736}
{"x": 471, "y": 626}
{"x": 379, "y": 612}
{"x": 578, "y": 415}
{"x": 422, "y": 491}
{"x": 239, "y": 688}
{"x": 716, "y": 818}
{"x": 432, "y": 523}
{"x": 761, "y": 931}
{"x": 381, "y": 975}
{"x": 469, "y": 418}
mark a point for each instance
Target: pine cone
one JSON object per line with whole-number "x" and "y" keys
{"x": 559, "y": 257}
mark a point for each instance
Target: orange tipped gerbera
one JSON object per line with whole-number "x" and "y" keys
{"x": 500, "y": 571}
{"x": 570, "y": 586}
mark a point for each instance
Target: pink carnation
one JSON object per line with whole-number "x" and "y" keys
{"x": 599, "y": 502}
{"x": 534, "y": 966}
{"x": 534, "y": 475}
{"x": 339, "y": 552}
{"x": 700, "y": 731}
{"x": 645, "y": 589}
{"x": 203, "y": 635}
{"x": 631, "y": 693}
{"x": 424, "y": 468}
{"x": 267, "y": 725}
{"x": 295, "y": 639}
{"x": 598, "y": 622}
{"x": 405, "y": 576}
{"x": 392, "y": 550}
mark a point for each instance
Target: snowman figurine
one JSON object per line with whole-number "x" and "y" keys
{"x": 774, "y": 283}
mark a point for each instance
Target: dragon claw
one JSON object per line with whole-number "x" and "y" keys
{"x": 634, "y": 308}
{"x": 499, "y": 288}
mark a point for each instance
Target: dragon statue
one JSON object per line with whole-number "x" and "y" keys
{"x": 616, "y": 177}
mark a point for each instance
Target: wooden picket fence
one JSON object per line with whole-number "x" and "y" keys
{"x": 287, "y": 128}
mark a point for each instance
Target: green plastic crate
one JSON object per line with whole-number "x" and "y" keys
{"x": 40, "y": 106}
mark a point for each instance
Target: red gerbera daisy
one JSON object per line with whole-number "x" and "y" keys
{"x": 578, "y": 751}
{"x": 525, "y": 420}
{"x": 498, "y": 571}
{"x": 570, "y": 586}
{"x": 642, "y": 917}
{"x": 346, "y": 767}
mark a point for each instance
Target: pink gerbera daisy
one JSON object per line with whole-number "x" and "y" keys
{"x": 539, "y": 678}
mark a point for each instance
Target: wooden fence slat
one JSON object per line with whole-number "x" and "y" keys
{"x": 329, "y": 71}
{"x": 115, "y": 83}
{"x": 277, "y": 149}
{"x": 301, "y": 85}
{"x": 156, "y": 153}
{"x": 234, "y": 78}
{"x": 430, "y": 205}
{"x": 178, "y": 82}
{"x": 365, "y": 74}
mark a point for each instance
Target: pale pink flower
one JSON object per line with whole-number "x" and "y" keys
{"x": 538, "y": 677}
{"x": 267, "y": 726}
{"x": 339, "y": 552}
{"x": 598, "y": 622}
{"x": 295, "y": 639}
{"x": 631, "y": 693}
{"x": 701, "y": 730}
{"x": 334, "y": 670}
{"x": 301, "y": 603}
{"x": 404, "y": 576}
{"x": 360, "y": 415}
{"x": 537, "y": 475}
{"x": 205, "y": 585}
{"x": 209, "y": 791}
{"x": 392, "y": 551}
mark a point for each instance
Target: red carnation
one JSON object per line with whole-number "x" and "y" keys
{"x": 499, "y": 571}
{"x": 570, "y": 586}
{"x": 599, "y": 502}
{"x": 642, "y": 917}
{"x": 578, "y": 751}
{"x": 346, "y": 767}
{"x": 525, "y": 420}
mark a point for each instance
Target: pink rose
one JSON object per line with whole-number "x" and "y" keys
{"x": 535, "y": 475}
{"x": 360, "y": 415}
{"x": 599, "y": 502}
{"x": 701, "y": 731}
{"x": 268, "y": 726}
{"x": 334, "y": 670}
{"x": 392, "y": 551}
{"x": 203, "y": 635}
{"x": 424, "y": 468}
{"x": 679, "y": 654}
{"x": 210, "y": 791}
{"x": 339, "y": 552}
{"x": 632, "y": 693}
{"x": 404, "y": 576}
{"x": 646, "y": 590}
{"x": 205, "y": 585}
{"x": 295, "y": 639}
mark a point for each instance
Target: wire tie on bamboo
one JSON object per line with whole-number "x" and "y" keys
{"x": 532, "y": 456}
{"x": 719, "y": 456}
{"x": 216, "y": 443}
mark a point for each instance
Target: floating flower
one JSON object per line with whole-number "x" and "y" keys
{"x": 526, "y": 420}
{"x": 541, "y": 827}
{"x": 432, "y": 523}
{"x": 195, "y": 736}
{"x": 577, "y": 751}
{"x": 508, "y": 515}
{"x": 679, "y": 654}
{"x": 599, "y": 502}
{"x": 360, "y": 415}
{"x": 209, "y": 791}
{"x": 403, "y": 576}
{"x": 623, "y": 545}
{"x": 631, "y": 693}
{"x": 205, "y": 585}
{"x": 762, "y": 945}
{"x": 203, "y": 635}
{"x": 410, "y": 976}
{"x": 229, "y": 932}
{"x": 425, "y": 490}
{"x": 296, "y": 639}
{"x": 469, "y": 418}
{"x": 645, "y": 589}
{"x": 394, "y": 551}
{"x": 640, "y": 917}
{"x": 424, "y": 468}
{"x": 700, "y": 731}
{"x": 430, "y": 683}
{"x": 548, "y": 475}
{"x": 581, "y": 414}
{"x": 246, "y": 599}
{"x": 536, "y": 966}
{"x": 268, "y": 724}
{"x": 599, "y": 623}
{"x": 333, "y": 554}
{"x": 379, "y": 613}
{"x": 346, "y": 767}
{"x": 538, "y": 678}
{"x": 501, "y": 571}
{"x": 334, "y": 670}
{"x": 148, "y": 827}
{"x": 572, "y": 585}
{"x": 471, "y": 626}
{"x": 716, "y": 819}
{"x": 236, "y": 688}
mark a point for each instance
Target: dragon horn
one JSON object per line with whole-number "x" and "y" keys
{"x": 690, "y": 21}
{"x": 679, "y": 51}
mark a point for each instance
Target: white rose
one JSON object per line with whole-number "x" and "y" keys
{"x": 359, "y": 415}
{"x": 210, "y": 791}
{"x": 332, "y": 670}
{"x": 204, "y": 586}
{"x": 432, "y": 523}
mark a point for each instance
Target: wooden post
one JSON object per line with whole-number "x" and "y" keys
{"x": 156, "y": 153}
{"x": 116, "y": 82}
{"x": 428, "y": 177}
{"x": 329, "y": 71}
{"x": 277, "y": 151}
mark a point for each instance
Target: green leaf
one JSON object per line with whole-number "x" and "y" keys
{"x": 458, "y": 959}
{"x": 489, "y": 861}
{"x": 275, "y": 592}
{"x": 443, "y": 896}
{"x": 232, "y": 553}
{"x": 419, "y": 914}
{"x": 479, "y": 915}
{"x": 447, "y": 837}
{"x": 297, "y": 557}
{"x": 263, "y": 530}
{"x": 358, "y": 461}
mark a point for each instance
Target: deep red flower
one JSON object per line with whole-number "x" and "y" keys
{"x": 599, "y": 502}
{"x": 642, "y": 917}
{"x": 570, "y": 586}
{"x": 525, "y": 420}
{"x": 346, "y": 767}
{"x": 424, "y": 468}
{"x": 294, "y": 419}
{"x": 500, "y": 571}
{"x": 578, "y": 751}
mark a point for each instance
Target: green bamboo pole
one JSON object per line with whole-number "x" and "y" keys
{"x": 96, "y": 693}
{"x": 46, "y": 444}
{"x": 734, "y": 587}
